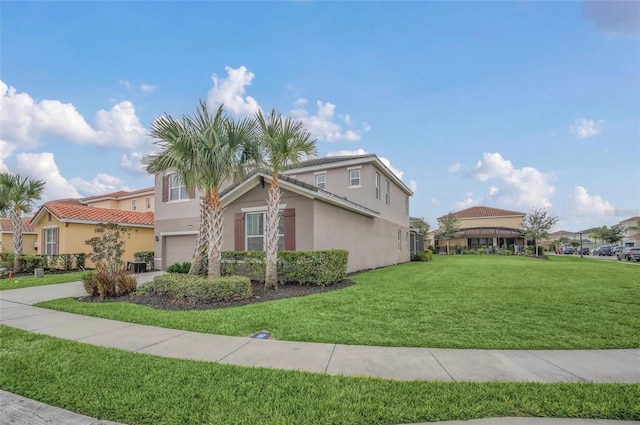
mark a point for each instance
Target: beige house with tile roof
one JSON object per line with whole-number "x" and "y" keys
{"x": 484, "y": 227}
{"x": 138, "y": 200}
{"x": 64, "y": 226}
{"x": 631, "y": 237}
{"x": 29, "y": 235}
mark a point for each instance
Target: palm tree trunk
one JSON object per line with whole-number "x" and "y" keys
{"x": 271, "y": 279}
{"x": 17, "y": 239}
{"x": 201, "y": 243}
{"x": 215, "y": 233}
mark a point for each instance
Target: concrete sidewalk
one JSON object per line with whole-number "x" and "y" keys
{"x": 400, "y": 363}
{"x": 16, "y": 310}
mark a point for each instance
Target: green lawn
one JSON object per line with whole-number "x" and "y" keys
{"x": 454, "y": 302}
{"x": 143, "y": 389}
{"x": 48, "y": 279}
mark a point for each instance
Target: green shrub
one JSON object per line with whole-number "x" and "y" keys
{"x": 31, "y": 262}
{"x": 179, "y": 267}
{"x": 244, "y": 263}
{"x": 198, "y": 288}
{"x": 81, "y": 260}
{"x": 105, "y": 283}
{"x": 66, "y": 261}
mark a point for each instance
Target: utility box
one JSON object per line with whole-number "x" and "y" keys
{"x": 38, "y": 272}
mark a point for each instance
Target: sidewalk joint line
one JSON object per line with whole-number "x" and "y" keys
{"x": 105, "y": 332}
{"x": 441, "y": 365}
{"x": 330, "y": 357}
{"x": 160, "y": 342}
{"x": 233, "y": 351}
{"x": 555, "y": 365}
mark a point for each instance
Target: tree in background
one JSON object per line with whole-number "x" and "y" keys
{"x": 449, "y": 228}
{"x": 537, "y": 224}
{"x": 285, "y": 141}
{"x": 17, "y": 195}
{"x": 420, "y": 224}
{"x": 613, "y": 234}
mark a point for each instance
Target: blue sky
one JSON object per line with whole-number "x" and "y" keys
{"x": 514, "y": 105}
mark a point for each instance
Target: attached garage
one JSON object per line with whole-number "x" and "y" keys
{"x": 178, "y": 249}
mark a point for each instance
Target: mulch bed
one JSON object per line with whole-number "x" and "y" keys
{"x": 260, "y": 294}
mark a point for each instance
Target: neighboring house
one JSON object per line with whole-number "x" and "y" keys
{"x": 630, "y": 237}
{"x": 484, "y": 227}
{"x": 354, "y": 203}
{"x": 570, "y": 239}
{"x": 29, "y": 236}
{"x": 63, "y": 227}
{"x": 138, "y": 200}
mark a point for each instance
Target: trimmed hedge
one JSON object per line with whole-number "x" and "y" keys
{"x": 28, "y": 263}
{"x": 427, "y": 255}
{"x": 198, "y": 288}
{"x": 319, "y": 268}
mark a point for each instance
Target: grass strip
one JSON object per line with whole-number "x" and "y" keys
{"x": 133, "y": 388}
{"x": 48, "y": 279}
{"x": 485, "y": 302}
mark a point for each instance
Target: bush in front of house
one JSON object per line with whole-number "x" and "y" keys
{"x": 427, "y": 255}
{"x": 245, "y": 263}
{"x": 200, "y": 289}
{"x": 179, "y": 267}
{"x": 106, "y": 283}
{"x": 146, "y": 256}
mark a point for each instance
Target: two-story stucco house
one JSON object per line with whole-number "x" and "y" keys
{"x": 353, "y": 202}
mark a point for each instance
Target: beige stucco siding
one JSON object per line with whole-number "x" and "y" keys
{"x": 28, "y": 239}
{"x": 513, "y": 222}
{"x": 371, "y": 242}
{"x": 127, "y": 204}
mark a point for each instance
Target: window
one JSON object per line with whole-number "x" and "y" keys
{"x": 399, "y": 240}
{"x": 256, "y": 231}
{"x": 387, "y": 192}
{"x": 177, "y": 189}
{"x": 321, "y": 180}
{"x": 406, "y": 205}
{"x": 377, "y": 185}
{"x": 354, "y": 178}
{"x": 134, "y": 205}
{"x": 148, "y": 203}
{"x": 51, "y": 241}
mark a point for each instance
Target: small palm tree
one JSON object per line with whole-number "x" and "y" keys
{"x": 17, "y": 195}
{"x": 285, "y": 142}
{"x": 204, "y": 150}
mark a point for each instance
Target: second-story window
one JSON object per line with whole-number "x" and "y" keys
{"x": 354, "y": 178}
{"x": 377, "y": 185}
{"x": 406, "y": 205}
{"x": 387, "y": 192}
{"x": 134, "y": 205}
{"x": 399, "y": 240}
{"x": 321, "y": 180}
{"x": 177, "y": 189}
{"x": 148, "y": 202}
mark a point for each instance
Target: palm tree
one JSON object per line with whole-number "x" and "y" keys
{"x": 285, "y": 142}
{"x": 17, "y": 195}
{"x": 204, "y": 150}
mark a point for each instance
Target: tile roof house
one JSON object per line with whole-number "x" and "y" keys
{"x": 64, "y": 225}
{"x": 631, "y": 235}
{"x": 29, "y": 235}
{"x": 484, "y": 227}
{"x": 354, "y": 203}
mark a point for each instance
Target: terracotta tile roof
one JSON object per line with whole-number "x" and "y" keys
{"x": 6, "y": 225}
{"x": 116, "y": 195}
{"x": 70, "y": 212}
{"x": 634, "y": 219}
{"x": 482, "y": 212}
{"x": 561, "y": 233}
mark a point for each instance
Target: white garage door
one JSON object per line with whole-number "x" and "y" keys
{"x": 178, "y": 249}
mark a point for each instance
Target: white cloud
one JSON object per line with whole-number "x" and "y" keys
{"x": 231, "y": 92}
{"x": 583, "y": 204}
{"x": 413, "y": 185}
{"x": 99, "y": 185}
{"x": 454, "y": 168}
{"x": 434, "y": 201}
{"x": 525, "y": 187}
{"x": 393, "y": 169}
{"x": 148, "y": 88}
{"x": 468, "y": 202}
{"x": 43, "y": 166}
{"x": 5, "y": 152}
{"x": 125, "y": 83}
{"x": 586, "y": 128}
{"x": 25, "y": 122}
{"x": 322, "y": 125}
{"x": 132, "y": 163}
{"x": 300, "y": 102}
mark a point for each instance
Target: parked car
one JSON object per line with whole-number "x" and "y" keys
{"x": 617, "y": 249}
{"x": 559, "y": 250}
{"x": 595, "y": 251}
{"x": 622, "y": 254}
{"x": 633, "y": 254}
{"x": 567, "y": 250}
{"x": 605, "y": 250}
{"x": 585, "y": 251}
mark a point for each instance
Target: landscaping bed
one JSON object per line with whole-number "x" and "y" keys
{"x": 260, "y": 294}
